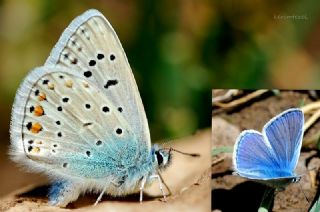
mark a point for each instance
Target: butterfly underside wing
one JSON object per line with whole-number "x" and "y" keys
{"x": 91, "y": 46}
{"x": 80, "y": 118}
{"x": 70, "y": 126}
{"x": 271, "y": 157}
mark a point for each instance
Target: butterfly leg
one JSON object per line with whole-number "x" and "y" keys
{"x": 63, "y": 192}
{"x": 160, "y": 185}
{"x": 100, "y": 196}
{"x": 143, "y": 182}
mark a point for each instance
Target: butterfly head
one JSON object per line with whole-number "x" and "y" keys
{"x": 161, "y": 156}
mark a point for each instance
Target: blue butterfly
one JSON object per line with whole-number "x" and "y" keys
{"x": 80, "y": 120}
{"x": 271, "y": 157}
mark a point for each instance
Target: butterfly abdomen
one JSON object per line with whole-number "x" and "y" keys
{"x": 279, "y": 183}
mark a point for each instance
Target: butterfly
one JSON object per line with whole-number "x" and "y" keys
{"x": 271, "y": 157}
{"x": 80, "y": 119}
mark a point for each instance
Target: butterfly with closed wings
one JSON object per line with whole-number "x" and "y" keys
{"x": 80, "y": 119}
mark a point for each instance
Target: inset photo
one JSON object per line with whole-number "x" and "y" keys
{"x": 265, "y": 150}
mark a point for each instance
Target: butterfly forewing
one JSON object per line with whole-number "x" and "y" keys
{"x": 91, "y": 46}
{"x": 284, "y": 135}
{"x": 68, "y": 123}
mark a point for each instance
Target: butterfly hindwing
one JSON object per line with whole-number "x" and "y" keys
{"x": 284, "y": 134}
{"x": 66, "y": 124}
{"x": 90, "y": 45}
{"x": 252, "y": 157}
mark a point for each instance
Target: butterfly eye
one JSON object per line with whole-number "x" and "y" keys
{"x": 159, "y": 158}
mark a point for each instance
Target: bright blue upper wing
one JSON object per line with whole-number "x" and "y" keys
{"x": 284, "y": 134}
{"x": 252, "y": 157}
{"x": 274, "y": 153}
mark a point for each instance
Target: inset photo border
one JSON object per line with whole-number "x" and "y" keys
{"x": 265, "y": 149}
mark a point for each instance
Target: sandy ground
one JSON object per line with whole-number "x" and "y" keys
{"x": 187, "y": 177}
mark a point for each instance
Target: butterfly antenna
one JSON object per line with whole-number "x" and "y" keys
{"x": 165, "y": 184}
{"x": 184, "y": 153}
{"x": 304, "y": 194}
{"x": 100, "y": 196}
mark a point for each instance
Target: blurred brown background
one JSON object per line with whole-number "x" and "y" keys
{"x": 178, "y": 50}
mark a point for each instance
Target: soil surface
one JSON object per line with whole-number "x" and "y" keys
{"x": 234, "y": 193}
{"x": 187, "y": 177}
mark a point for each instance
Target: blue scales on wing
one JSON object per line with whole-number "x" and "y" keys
{"x": 272, "y": 155}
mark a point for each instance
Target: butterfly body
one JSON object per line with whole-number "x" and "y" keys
{"x": 280, "y": 183}
{"x": 271, "y": 157}
{"x": 80, "y": 120}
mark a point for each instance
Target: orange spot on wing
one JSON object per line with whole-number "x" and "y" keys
{"x": 42, "y": 97}
{"x": 38, "y": 110}
{"x": 36, "y": 128}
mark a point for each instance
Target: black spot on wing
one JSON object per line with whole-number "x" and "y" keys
{"x": 110, "y": 83}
